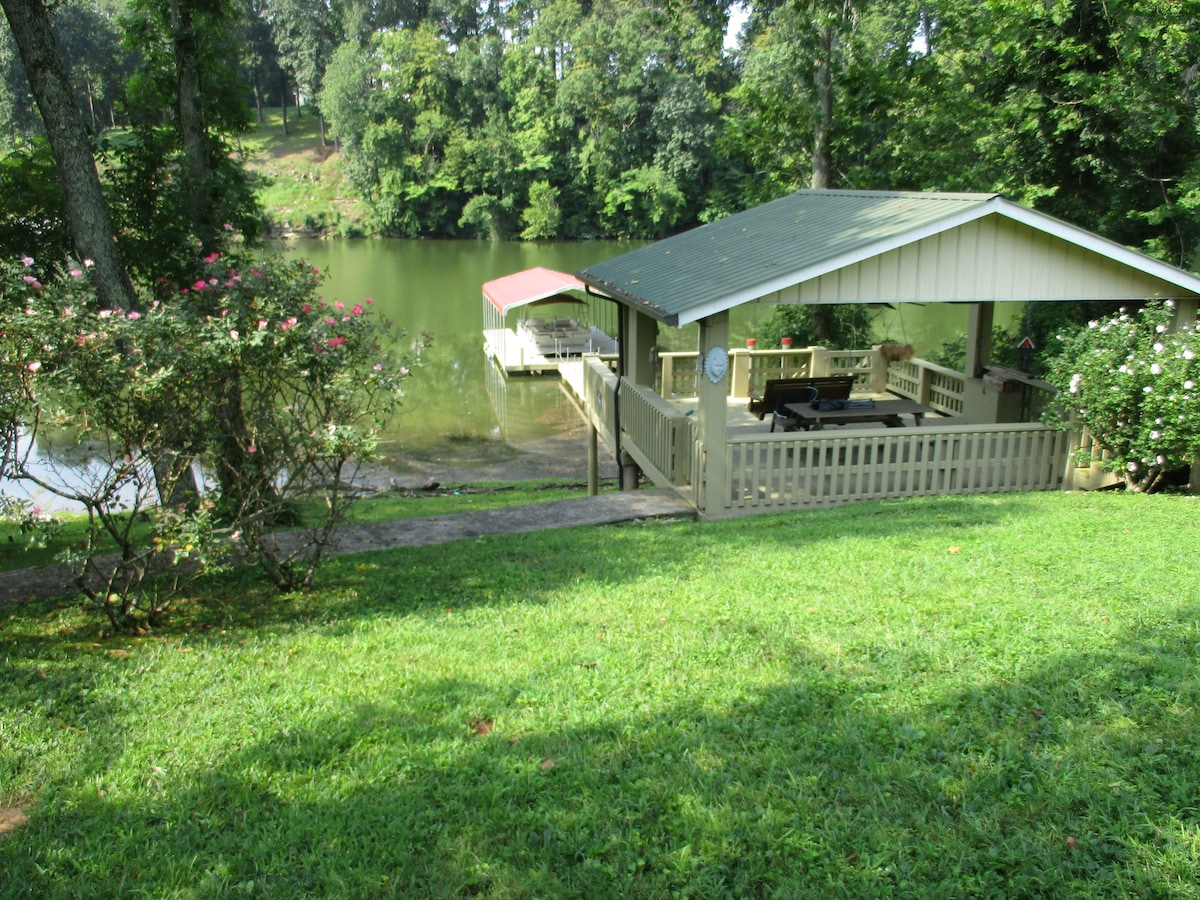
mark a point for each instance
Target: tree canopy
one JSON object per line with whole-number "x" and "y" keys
{"x": 581, "y": 118}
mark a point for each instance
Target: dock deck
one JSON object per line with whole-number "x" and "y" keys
{"x": 515, "y": 353}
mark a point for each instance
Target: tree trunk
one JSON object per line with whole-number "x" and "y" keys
{"x": 821, "y": 317}
{"x": 823, "y": 78}
{"x": 91, "y": 102}
{"x": 283, "y": 98}
{"x": 91, "y": 226}
{"x": 189, "y": 118}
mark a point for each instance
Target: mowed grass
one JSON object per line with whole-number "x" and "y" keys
{"x": 986, "y": 696}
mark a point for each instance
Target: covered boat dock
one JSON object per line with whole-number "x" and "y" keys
{"x": 537, "y": 318}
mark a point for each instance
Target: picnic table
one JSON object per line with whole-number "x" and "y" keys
{"x": 886, "y": 411}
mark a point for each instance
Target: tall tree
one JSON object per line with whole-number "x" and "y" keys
{"x": 816, "y": 92}
{"x": 306, "y": 33}
{"x": 91, "y": 226}
{"x": 259, "y": 56}
{"x": 1087, "y": 109}
{"x": 89, "y": 41}
{"x": 178, "y": 180}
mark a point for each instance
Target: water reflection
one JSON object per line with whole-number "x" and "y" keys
{"x": 60, "y": 458}
{"x": 456, "y": 414}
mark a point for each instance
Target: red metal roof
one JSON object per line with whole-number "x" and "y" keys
{"x": 529, "y": 286}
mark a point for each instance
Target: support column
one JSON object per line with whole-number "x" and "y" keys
{"x": 981, "y": 404}
{"x": 980, "y": 318}
{"x": 641, "y": 337}
{"x": 593, "y": 458}
{"x": 712, "y": 413}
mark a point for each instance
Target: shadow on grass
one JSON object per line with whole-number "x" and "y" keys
{"x": 1078, "y": 777}
{"x": 525, "y": 568}
{"x": 792, "y": 554}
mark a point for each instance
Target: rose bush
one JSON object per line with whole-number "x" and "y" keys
{"x": 1133, "y": 380}
{"x": 278, "y": 392}
{"x": 300, "y": 389}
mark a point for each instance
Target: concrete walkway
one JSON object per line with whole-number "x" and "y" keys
{"x": 604, "y": 509}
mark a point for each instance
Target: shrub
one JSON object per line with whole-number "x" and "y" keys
{"x": 1135, "y": 384}
{"x": 280, "y": 393}
{"x": 112, "y": 376}
{"x": 304, "y": 387}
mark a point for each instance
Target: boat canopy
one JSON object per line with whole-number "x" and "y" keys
{"x": 532, "y": 286}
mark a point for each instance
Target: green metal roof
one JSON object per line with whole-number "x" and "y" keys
{"x": 878, "y": 246}
{"x": 741, "y": 257}
{"x": 748, "y": 254}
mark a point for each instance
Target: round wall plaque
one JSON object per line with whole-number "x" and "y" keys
{"x": 716, "y": 364}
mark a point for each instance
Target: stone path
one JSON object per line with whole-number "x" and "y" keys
{"x": 603, "y": 509}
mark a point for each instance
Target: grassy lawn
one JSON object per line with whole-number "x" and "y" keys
{"x": 987, "y": 696}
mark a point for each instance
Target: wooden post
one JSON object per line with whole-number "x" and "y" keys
{"x": 739, "y": 385}
{"x": 819, "y": 367}
{"x": 712, "y": 413}
{"x": 593, "y": 458}
{"x": 638, "y": 351}
{"x": 925, "y": 390}
{"x": 641, "y": 337}
{"x": 980, "y": 317}
{"x": 879, "y": 372}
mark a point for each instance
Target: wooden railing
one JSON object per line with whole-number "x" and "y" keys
{"x": 658, "y": 434}
{"x": 867, "y": 367}
{"x": 600, "y": 397}
{"x": 782, "y": 471}
{"x": 750, "y": 370}
{"x": 1086, "y": 470}
{"x": 931, "y": 385}
{"x": 679, "y": 374}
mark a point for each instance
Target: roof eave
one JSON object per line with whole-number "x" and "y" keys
{"x": 611, "y": 291}
{"x": 992, "y": 205}
{"x": 1096, "y": 244}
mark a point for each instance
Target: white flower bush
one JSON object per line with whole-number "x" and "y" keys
{"x": 1131, "y": 380}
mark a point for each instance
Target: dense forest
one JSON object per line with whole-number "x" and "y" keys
{"x": 585, "y": 118}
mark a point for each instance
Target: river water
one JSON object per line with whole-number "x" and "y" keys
{"x": 458, "y": 417}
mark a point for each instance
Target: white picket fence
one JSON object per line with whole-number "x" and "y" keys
{"x": 781, "y": 471}
{"x": 774, "y": 471}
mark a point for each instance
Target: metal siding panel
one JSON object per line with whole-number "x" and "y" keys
{"x": 909, "y": 270}
{"x": 829, "y": 287}
{"x": 985, "y": 269}
{"x": 944, "y": 268}
{"x": 932, "y": 267}
{"x": 868, "y": 278}
{"x": 997, "y": 252}
{"x": 965, "y": 263}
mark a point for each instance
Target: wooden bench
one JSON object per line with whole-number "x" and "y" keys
{"x": 779, "y": 392}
